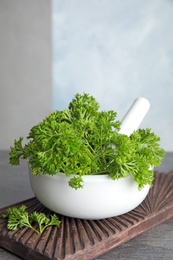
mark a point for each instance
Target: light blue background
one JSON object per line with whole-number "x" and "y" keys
{"x": 116, "y": 51}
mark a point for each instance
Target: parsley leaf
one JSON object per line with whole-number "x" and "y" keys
{"x": 44, "y": 221}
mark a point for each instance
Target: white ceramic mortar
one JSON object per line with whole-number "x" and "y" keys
{"x": 101, "y": 197}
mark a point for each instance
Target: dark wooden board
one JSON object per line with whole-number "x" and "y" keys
{"x": 78, "y": 239}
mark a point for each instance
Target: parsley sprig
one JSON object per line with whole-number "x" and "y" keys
{"x": 19, "y": 218}
{"x": 83, "y": 140}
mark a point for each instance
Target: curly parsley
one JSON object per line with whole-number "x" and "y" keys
{"x": 19, "y": 218}
{"x": 83, "y": 140}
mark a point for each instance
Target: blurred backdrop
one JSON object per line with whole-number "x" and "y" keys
{"x": 114, "y": 50}
{"x": 25, "y": 66}
{"x": 117, "y": 51}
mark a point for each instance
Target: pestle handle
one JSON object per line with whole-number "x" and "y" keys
{"x": 134, "y": 116}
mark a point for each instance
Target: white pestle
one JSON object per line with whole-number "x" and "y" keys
{"x": 134, "y": 116}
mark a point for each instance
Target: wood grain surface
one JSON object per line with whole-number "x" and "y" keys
{"x": 86, "y": 239}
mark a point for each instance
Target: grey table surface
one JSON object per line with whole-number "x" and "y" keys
{"x": 155, "y": 244}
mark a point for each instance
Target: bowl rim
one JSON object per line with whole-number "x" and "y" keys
{"x": 85, "y": 178}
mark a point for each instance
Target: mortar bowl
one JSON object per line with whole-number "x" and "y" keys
{"x": 101, "y": 197}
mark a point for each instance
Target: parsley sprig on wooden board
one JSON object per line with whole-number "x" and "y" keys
{"x": 19, "y": 218}
{"x": 83, "y": 140}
